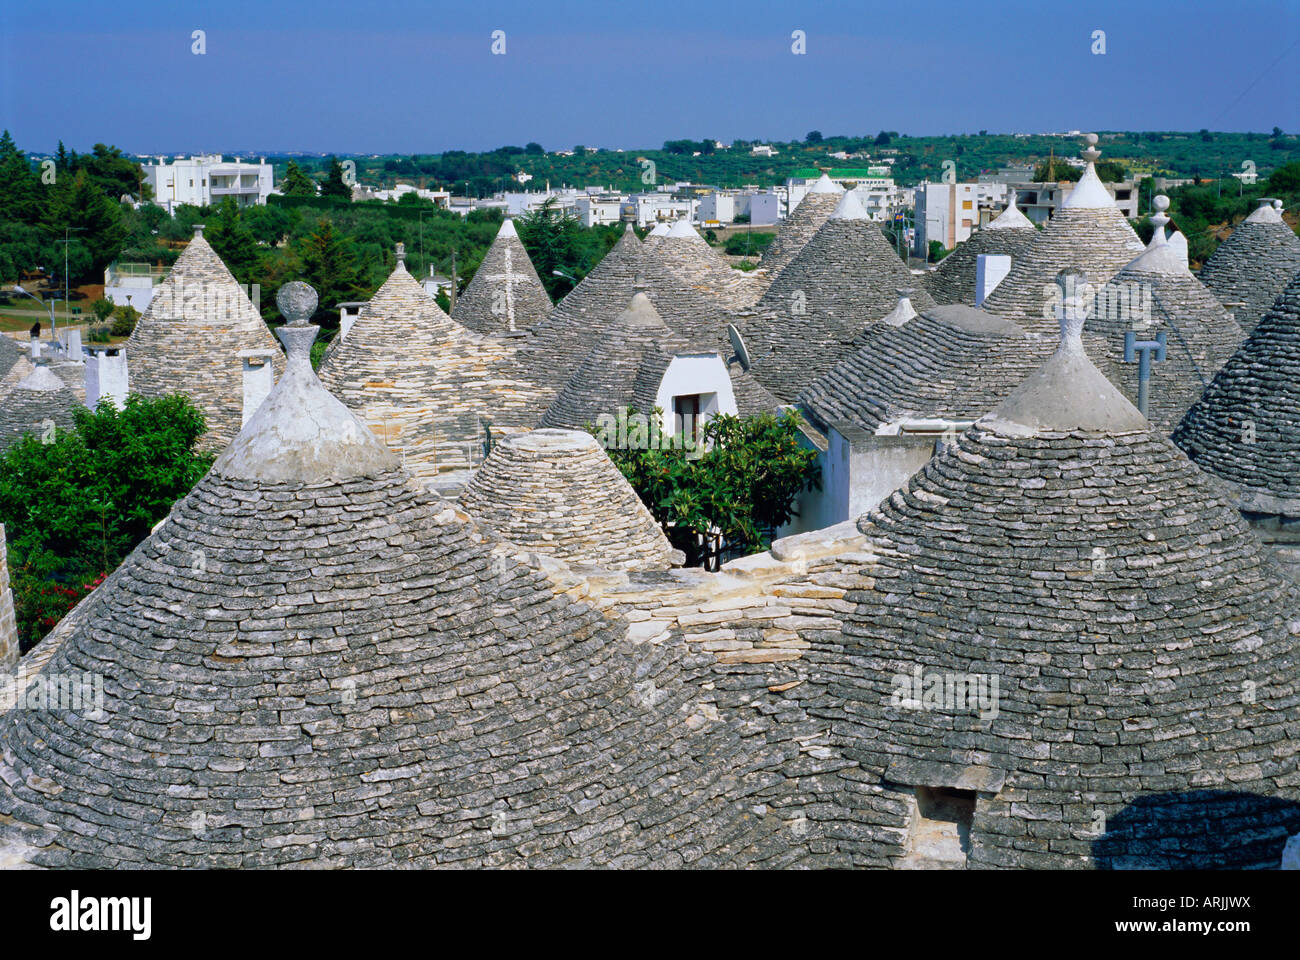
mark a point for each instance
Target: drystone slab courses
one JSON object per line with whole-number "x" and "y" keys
{"x": 691, "y": 260}
{"x": 1253, "y": 266}
{"x": 952, "y": 362}
{"x": 38, "y": 403}
{"x": 1145, "y": 646}
{"x": 1097, "y": 240}
{"x": 1245, "y": 428}
{"x": 560, "y": 342}
{"x": 1200, "y": 337}
{"x": 188, "y": 341}
{"x": 624, "y": 369}
{"x": 797, "y": 229}
{"x": 505, "y": 296}
{"x": 558, "y": 493}
{"x": 432, "y": 390}
{"x": 844, "y": 279}
{"x": 953, "y": 280}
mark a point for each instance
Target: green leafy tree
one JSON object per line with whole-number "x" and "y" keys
{"x": 732, "y": 496}
{"x": 814, "y": 136}
{"x": 233, "y": 241}
{"x": 328, "y": 261}
{"x": 75, "y": 507}
{"x": 298, "y": 184}
{"x": 80, "y": 211}
{"x": 553, "y": 239}
{"x": 334, "y": 185}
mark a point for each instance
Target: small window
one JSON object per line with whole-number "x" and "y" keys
{"x": 686, "y": 415}
{"x": 939, "y": 834}
{"x": 965, "y": 204}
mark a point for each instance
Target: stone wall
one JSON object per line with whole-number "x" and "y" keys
{"x": 8, "y": 625}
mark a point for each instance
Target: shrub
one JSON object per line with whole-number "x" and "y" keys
{"x": 75, "y": 507}
{"x": 124, "y": 321}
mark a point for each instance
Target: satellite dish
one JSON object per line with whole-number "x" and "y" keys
{"x": 738, "y": 344}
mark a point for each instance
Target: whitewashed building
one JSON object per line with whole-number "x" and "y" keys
{"x": 207, "y": 179}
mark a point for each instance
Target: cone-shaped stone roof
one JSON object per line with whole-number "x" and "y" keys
{"x": 559, "y": 343}
{"x": 9, "y": 355}
{"x": 686, "y": 255}
{"x": 505, "y": 295}
{"x": 802, "y": 224}
{"x": 1254, "y": 265}
{"x": 35, "y": 404}
{"x": 1070, "y": 555}
{"x": 1087, "y": 232}
{"x": 427, "y": 386}
{"x": 188, "y": 340}
{"x": 302, "y": 667}
{"x": 636, "y": 346}
{"x": 558, "y": 493}
{"x": 947, "y": 363}
{"x": 655, "y": 236}
{"x": 1245, "y": 429}
{"x": 953, "y": 280}
{"x": 845, "y": 278}
{"x": 1154, "y": 294}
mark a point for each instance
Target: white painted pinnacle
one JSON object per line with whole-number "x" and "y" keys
{"x": 683, "y": 228}
{"x": 825, "y": 184}
{"x": 849, "y": 208}
{"x": 507, "y": 229}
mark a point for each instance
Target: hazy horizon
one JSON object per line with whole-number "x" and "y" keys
{"x": 391, "y": 77}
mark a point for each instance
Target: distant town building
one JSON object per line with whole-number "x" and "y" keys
{"x": 950, "y": 212}
{"x": 207, "y": 179}
{"x": 763, "y": 150}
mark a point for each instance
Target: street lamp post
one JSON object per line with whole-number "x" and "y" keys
{"x": 18, "y": 288}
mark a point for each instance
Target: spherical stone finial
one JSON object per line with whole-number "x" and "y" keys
{"x": 297, "y": 301}
{"x": 1159, "y": 218}
{"x": 1161, "y": 203}
{"x": 1090, "y": 152}
{"x": 1277, "y": 205}
{"x": 1090, "y": 139}
{"x": 198, "y": 229}
{"x": 401, "y": 256}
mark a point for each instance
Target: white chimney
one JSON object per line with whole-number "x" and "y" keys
{"x": 106, "y": 376}
{"x": 348, "y": 313}
{"x": 990, "y": 270}
{"x": 259, "y": 377}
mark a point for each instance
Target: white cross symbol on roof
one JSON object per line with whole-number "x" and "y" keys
{"x": 509, "y": 278}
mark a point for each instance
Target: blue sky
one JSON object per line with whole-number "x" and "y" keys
{"x": 385, "y": 76}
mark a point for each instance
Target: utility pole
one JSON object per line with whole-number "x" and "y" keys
{"x": 452, "y": 298}
{"x": 67, "y": 231}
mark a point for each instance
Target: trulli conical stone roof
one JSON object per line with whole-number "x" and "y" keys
{"x": 559, "y": 343}
{"x": 1154, "y": 294}
{"x": 1087, "y": 232}
{"x": 948, "y": 363}
{"x": 1067, "y": 552}
{"x": 505, "y": 296}
{"x": 655, "y": 236}
{"x": 844, "y": 279}
{"x": 1254, "y": 265}
{"x": 311, "y": 663}
{"x": 9, "y": 355}
{"x": 36, "y": 404}
{"x": 686, "y": 255}
{"x": 558, "y": 493}
{"x": 953, "y": 280}
{"x": 189, "y": 338}
{"x": 802, "y": 224}
{"x": 1245, "y": 429}
{"x": 636, "y": 346}
{"x": 431, "y": 389}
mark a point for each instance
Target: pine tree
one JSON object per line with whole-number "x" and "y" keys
{"x": 329, "y": 263}
{"x": 334, "y": 185}
{"x": 296, "y": 183}
{"x": 233, "y": 241}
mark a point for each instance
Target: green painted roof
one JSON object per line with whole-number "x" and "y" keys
{"x": 839, "y": 173}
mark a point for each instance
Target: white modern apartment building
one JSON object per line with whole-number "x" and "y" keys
{"x": 951, "y": 212}
{"x": 207, "y": 179}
